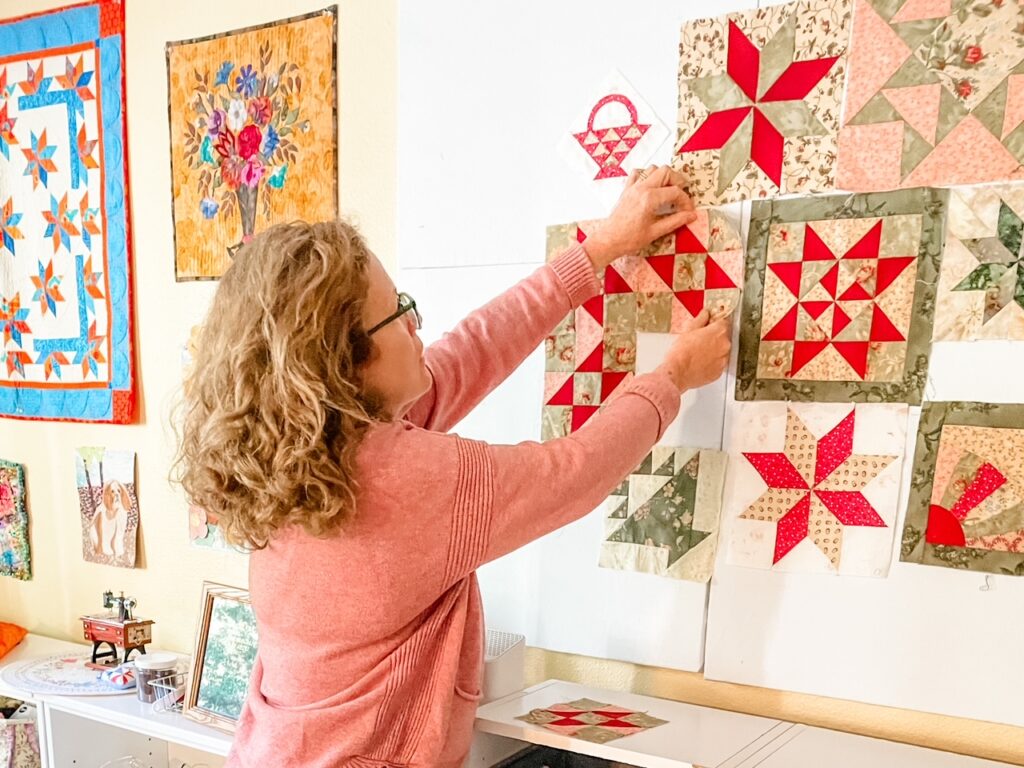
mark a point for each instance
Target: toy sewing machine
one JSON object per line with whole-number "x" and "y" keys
{"x": 116, "y": 629}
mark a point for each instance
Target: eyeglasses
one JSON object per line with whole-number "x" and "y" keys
{"x": 406, "y": 303}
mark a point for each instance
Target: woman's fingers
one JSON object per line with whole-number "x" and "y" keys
{"x": 634, "y": 176}
{"x": 672, "y": 222}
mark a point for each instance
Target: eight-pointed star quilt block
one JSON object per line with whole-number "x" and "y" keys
{"x": 966, "y": 507}
{"x": 760, "y": 93}
{"x": 981, "y": 286}
{"x": 65, "y": 298}
{"x": 839, "y": 297}
{"x": 935, "y": 94}
{"x": 591, "y": 354}
{"x": 663, "y": 518}
{"x": 813, "y": 487}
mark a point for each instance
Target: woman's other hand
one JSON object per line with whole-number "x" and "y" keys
{"x": 700, "y": 354}
{"x": 653, "y": 204}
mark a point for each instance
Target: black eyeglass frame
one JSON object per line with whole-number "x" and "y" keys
{"x": 410, "y": 306}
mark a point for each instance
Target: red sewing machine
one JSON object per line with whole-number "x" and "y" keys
{"x": 116, "y": 629}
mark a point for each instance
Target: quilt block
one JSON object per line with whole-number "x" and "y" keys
{"x": 760, "y": 93}
{"x": 65, "y": 284}
{"x": 592, "y": 352}
{"x": 839, "y": 297}
{"x": 966, "y": 507}
{"x": 935, "y": 94}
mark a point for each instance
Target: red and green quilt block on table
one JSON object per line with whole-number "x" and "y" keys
{"x": 935, "y": 94}
{"x": 592, "y": 721}
{"x": 760, "y": 94}
{"x": 966, "y": 507}
{"x": 663, "y": 518}
{"x": 591, "y": 354}
{"x": 839, "y": 298}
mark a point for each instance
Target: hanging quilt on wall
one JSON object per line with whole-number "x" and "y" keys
{"x": 108, "y": 505}
{"x": 935, "y": 94}
{"x": 966, "y": 507}
{"x": 981, "y": 285}
{"x": 253, "y": 135}
{"x": 839, "y": 297}
{"x": 663, "y": 518}
{"x": 14, "y": 549}
{"x": 760, "y": 93}
{"x": 616, "y": 132}
{"x": 65, "y": 290}
{"x": 814, "y": 487}
{"x": 592, "y": 352}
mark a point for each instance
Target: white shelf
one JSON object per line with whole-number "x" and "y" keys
{"x": 694, "y": 736}
{"x": 122, "y": 711}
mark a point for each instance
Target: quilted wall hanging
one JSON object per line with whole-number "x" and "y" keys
{"x": 813, "y": 487}
{"x": 663, "y": 518}
{"x": 592, "y": 352}
{"x": 65, "y": 290}
{"x": 839, "y": 297}
{"x": 935, "y": 94}
{"x": 253, "y": 136}
{"x": 981, "y": 284}
{"x": 966, "y": 507}
{"x": 14, "y": 547}
{"x": 760, "y": 93}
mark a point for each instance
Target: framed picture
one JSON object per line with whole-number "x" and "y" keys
{"x": 222, "y": 659}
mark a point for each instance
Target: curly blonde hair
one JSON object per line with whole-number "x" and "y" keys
{"x": 273, "y": 409}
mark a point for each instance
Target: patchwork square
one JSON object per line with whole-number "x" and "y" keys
{"x": 839, "y": 297}
{"x": 15, "y": 558}
{"x": 814, "y": 486}
{"x": 760, "y": 93}
{"x": 981, "y": 285}
{"x": 966, "y": 507}
{"x": 592, "y": 721}
{"x": 592, "y": 352}
{"x": 935, "y": 94}
{"x": 663, "y": 518}
{"x": 65, "y": 250}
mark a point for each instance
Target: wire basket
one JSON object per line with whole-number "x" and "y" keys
{"x": 170, "y": 691}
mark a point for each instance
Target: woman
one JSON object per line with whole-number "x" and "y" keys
{"x": 316, "y": 431}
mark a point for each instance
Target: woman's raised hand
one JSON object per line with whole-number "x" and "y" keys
{"x": 653, "y": 204}
{"x": 700, "y": 354}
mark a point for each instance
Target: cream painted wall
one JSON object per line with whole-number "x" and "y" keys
{"x": 168, "y": 582}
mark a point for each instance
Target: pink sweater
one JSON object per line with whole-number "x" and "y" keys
{"x": 371, "y": 642}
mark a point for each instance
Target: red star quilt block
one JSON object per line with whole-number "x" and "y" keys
{"x": 981, "y": 286}
{"x": 966, "y": 507}
{"x": 839, "y": 298}
{"x": 760, "y": 94}
{"x": 815, "y": 486}
{"x": 591, "y": 355}
{"x": 935, "y": 95}
{"x": 592, "y": 721}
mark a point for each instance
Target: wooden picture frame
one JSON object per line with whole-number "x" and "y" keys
{"x": 218, "y": 677}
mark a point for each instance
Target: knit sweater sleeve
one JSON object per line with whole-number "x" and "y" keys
{"x": 480, "y": 501}
{"x": 467, "y": 363}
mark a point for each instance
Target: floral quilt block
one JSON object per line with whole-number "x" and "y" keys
{"x": 592, "y": 352}
{"x": 663, "y": 518}
{"x": 966, "y": 507}
{"x": 981, "y": 284}
{"x": 760, "y": 94}
{"x": 14, "y": 547}
{"x": 253, "y": 136}
{"x": 839, "y": 297}
{"x": 65, "y": 251}
{"x": 814, "y": 487}
{"x": 592, "y": 721}
{"x": 935, "y": 94}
